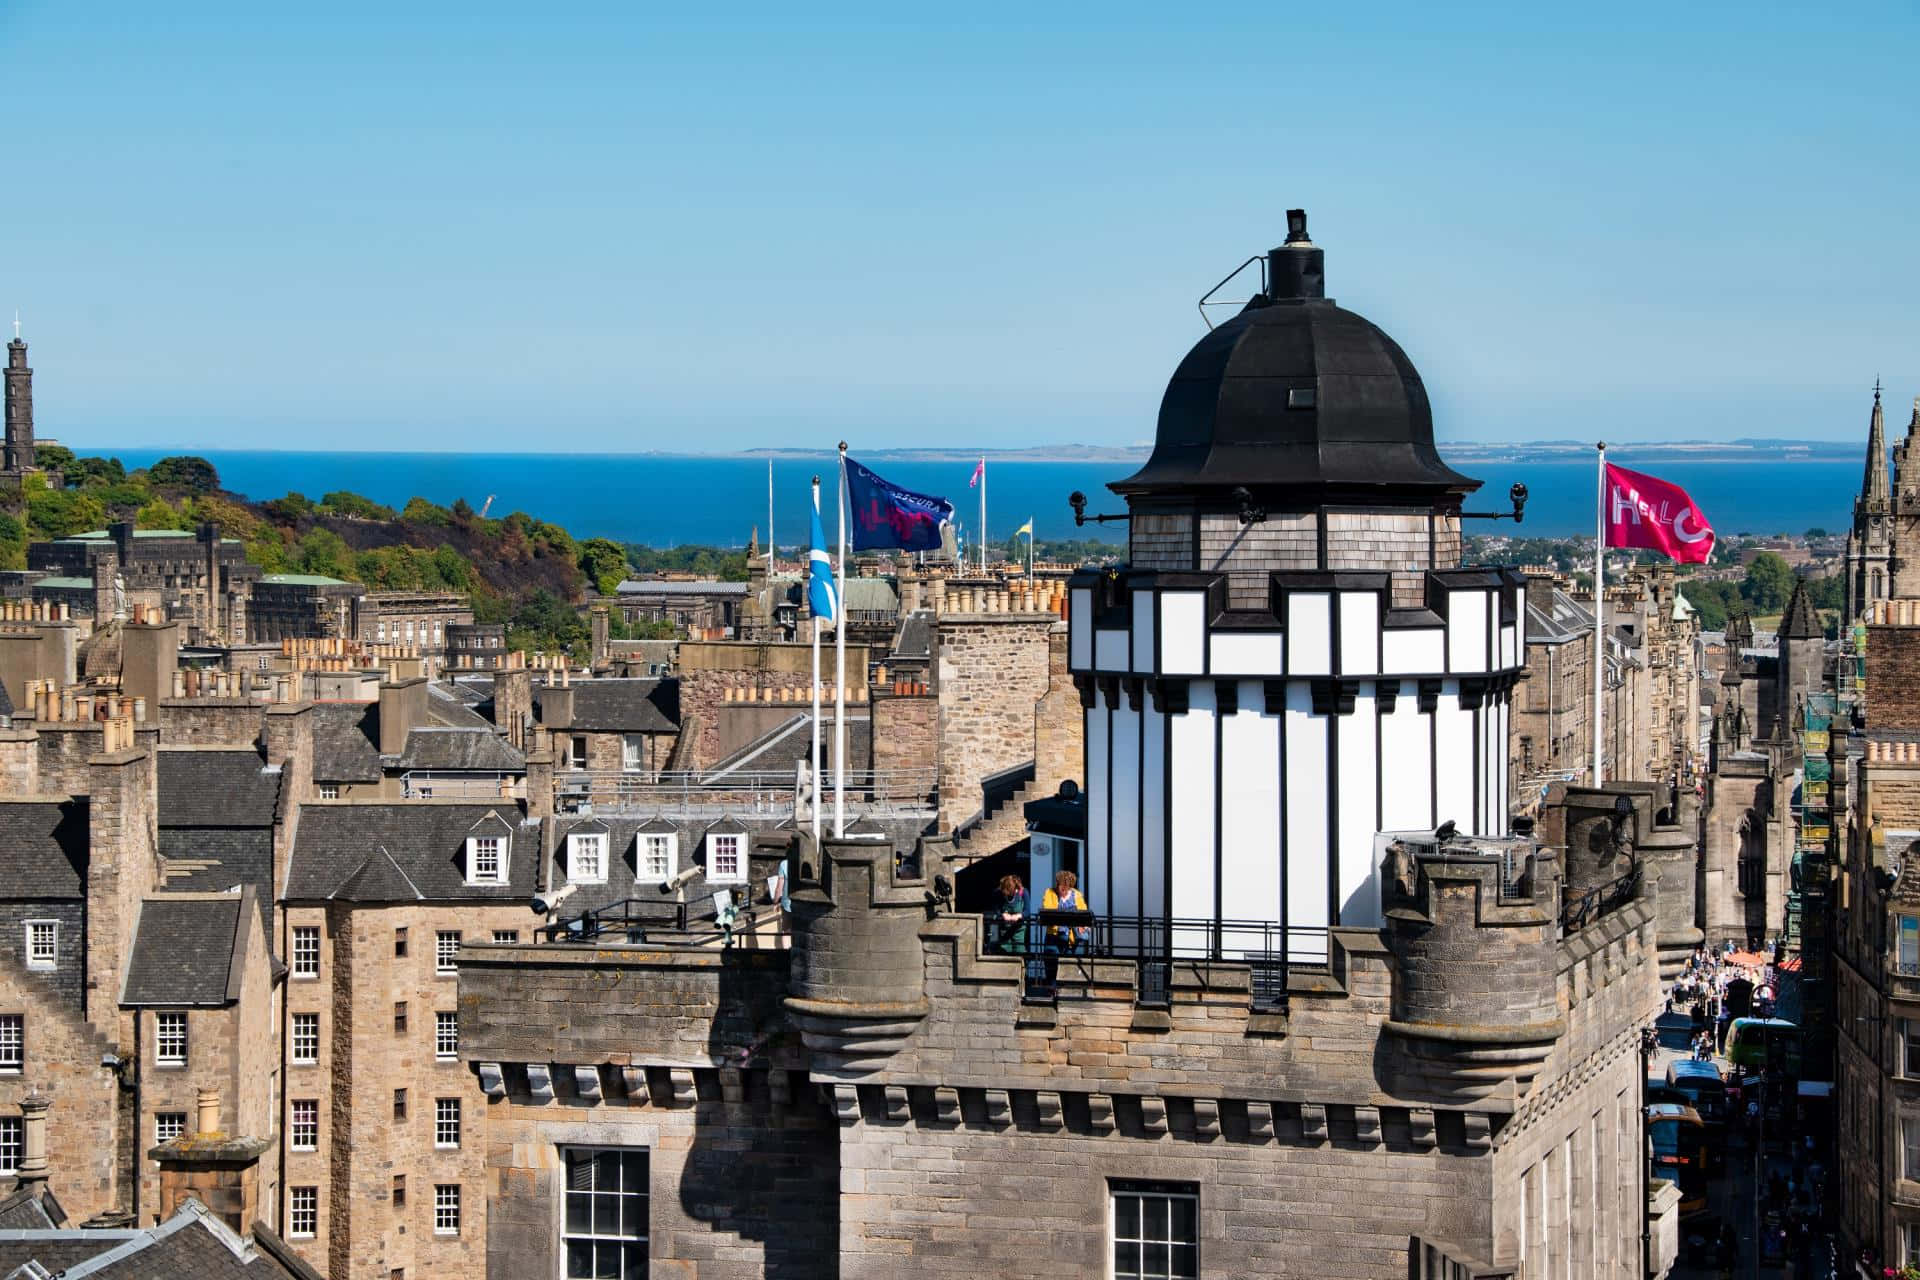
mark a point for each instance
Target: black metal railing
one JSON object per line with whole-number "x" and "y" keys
{"x": 1050, "y": 940}
{"x": 627, "y": 920}
{"x": 1577, "y": 912}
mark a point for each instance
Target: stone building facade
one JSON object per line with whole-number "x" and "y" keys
{"x": 1883, "y": 546}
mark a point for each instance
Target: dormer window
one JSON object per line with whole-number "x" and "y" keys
{"x": 657, "y": 855}
{"x": 487, "y": 860}
{"x": 587, "y": 857}
{"x": 727, "y": 857}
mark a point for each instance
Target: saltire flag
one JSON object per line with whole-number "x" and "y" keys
{"x": 1652, "y": 515}
{"x": 1026, "y": 528}
{"x": 885, "y": 515}
{"x": 979, "y": 473}
{"x": 820, "y": 594}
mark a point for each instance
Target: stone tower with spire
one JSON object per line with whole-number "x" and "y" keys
{"x": 17, "y": 457}
{"x": 1870, "y": 542}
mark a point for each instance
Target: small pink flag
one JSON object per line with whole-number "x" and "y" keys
{"x": 979, "y": 470}
{"x": 1652, "y": 515}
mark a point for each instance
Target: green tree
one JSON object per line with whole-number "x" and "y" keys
{"x": 1713, "y": 601}
{"x": 1768, "y": 582}
{"x": 1817, "y": 532}
{"x": 342, "y": 503}
{"x": 290, "y": 508}
{"x": 160, "y": 514}
{"x": 604, "y": 563}
{"x": 321, "y": 551}
{"x": 60, "y": 513}
{"x": 420, "y": 511}
{"x": 185, "y": 472}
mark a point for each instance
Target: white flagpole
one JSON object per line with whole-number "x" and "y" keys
{"x": 1599, "y": 609}
{"x": 983, "y": 516}
{"x": 840, "y": 666}
{"x": 816, "y": 501}
{"x": 818, "y": 790}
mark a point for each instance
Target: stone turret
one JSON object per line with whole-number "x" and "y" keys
{"x": 858, "y": 984}
{"x": 19, "y": 453}
{"x": 1472, "y": 927}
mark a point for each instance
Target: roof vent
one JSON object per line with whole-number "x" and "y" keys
{"x": 1297, "y": 269}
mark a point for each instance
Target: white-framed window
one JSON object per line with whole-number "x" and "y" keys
{"x": 587, "y": 857}
{"x": 446, "y": 1123}
{"x": 304, "y": 1124}
{"x": 43, "y": 944}
{"x": 446, "y": 1035}
{"x": 1910, "y": 1244}
{"x": 727, "y": 857}
{"x": 506, "y": 935}
{"x": 633, "y": 752}
{"x": 446, "y": 1208}
{"x": 13, "y": 1042}
{"x": 657, "y": 855}
{"x": 170, "y": 1039}
{"x": 303, "y": 1212}
{"x": 329, "y": 791}
{"x": 487, "y": 860}
{"x": 380, "y": 632}
{"x": 306, "y": 1038}
{"x": 168, "y": 1125}
{"x": 446, "y": 951}
{"x": 1155, "y": 1228}
{"x": 605, "y": 1224}
{"x": 306, "y": 951}
{"x": 13, "y": 1141}
{"x": 577, "y": 752}
{"x": 1910, "y": 1148}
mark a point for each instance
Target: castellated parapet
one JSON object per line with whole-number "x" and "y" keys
{"x": 1473, "y": 927}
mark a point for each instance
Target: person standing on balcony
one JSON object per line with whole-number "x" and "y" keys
{"x": 1012, "y": 916}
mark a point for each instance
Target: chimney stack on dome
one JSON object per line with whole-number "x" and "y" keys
{"x": 1298, "y": 268}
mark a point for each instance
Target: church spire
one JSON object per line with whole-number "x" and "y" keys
{"x": 1873, "y": 488}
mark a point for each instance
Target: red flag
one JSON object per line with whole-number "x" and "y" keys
{"x": 978, "y": 471}
{"x": 1653, "y": 515}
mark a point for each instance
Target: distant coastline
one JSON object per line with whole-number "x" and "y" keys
{"x": 1528, "y": 451}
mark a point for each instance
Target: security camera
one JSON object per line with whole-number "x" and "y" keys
{"x": 548, "y": 901}
{"x": 681, "y": 881}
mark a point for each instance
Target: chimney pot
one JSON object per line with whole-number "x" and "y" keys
{"x": 209, "y": 1112}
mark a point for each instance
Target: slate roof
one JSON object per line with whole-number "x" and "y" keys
{"x": 216, "y": 789}
{"x": 346, "y": 738}
{"x": 452, "y": 706}
{"x": 184, "y": 951}
{"x": 1800, "y": 622}
{"x": 620, "y": 706}
{"x": 915, "y": 637}
{"x": 453, "y": 750}
{"x": 45, "y": 846}
{"x": 1564, "y": 619}
{"x": 215, "y": 859}
{"x": 404, "y": 850}
{"x": 871, "y": 595}
{"x": 31, "y": 1210}
{"x": 190, "y": 1245}
{"x": 780, "y": 749}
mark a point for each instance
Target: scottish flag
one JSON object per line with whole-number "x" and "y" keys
{"x": 820, "y": 593}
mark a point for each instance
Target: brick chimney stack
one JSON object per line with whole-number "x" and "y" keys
{"x": 122, "y": 865}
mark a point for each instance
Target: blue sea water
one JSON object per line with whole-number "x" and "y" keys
{"x": 669, "y": 500}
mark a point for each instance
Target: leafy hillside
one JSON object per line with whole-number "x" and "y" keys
{"x": 518, "y": 569}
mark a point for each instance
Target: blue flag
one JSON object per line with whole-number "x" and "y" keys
{"x": 885, "y": 515}
{"x": 820, "y": 595}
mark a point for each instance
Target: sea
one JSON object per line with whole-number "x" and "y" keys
{"x": 670, "y": 500}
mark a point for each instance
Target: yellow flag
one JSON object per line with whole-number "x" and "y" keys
{"x": 1026, "y": 528}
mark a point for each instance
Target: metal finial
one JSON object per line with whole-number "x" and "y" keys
{"x": 1876, "y": 381}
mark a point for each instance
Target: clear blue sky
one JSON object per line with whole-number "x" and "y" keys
{"x": 478, "y": 226}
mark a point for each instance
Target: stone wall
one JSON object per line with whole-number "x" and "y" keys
{"x": 363, "y": 1059}
{"x": 66, "y": 981}
{"x": 86, "y": 1124}
{"x": 123, "y": 865}
{"x": 989, "y": 671}
{"x": 1893, "y": 677}
{"x": 209, "y": 722}
{"x": 905, "y": 733}
{"x": 65, "y": 748}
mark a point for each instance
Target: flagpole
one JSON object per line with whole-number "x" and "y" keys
{"x": 816, "y": 677}
{"x": 1599, "y": 606}
{"x": 840, "y": 666}
{"x": 983, "y": 516}
{"x": 816, "y": 498}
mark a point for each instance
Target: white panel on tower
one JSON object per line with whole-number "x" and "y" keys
{"x": 1467, "y": 630}
{"x": 1505, "y": 799}
{"x": 1406, "y": 766}
{"x": 1193, "y": 770}
{"x": 1099, "y": 877}
{"x": 1250, "y": 813}
{"x": 1080, "y": 629}
{"x": 1453, "y": 759}
{"x": 1416, "y": 650}
{"x": 1125, "y": 838}
{"x": 1306, "y": 814}
{"x": 1153, "y": 810}
{"x": 1359, "y": 633}
{"x": 1509, "y": 641}
{"x": 1110, "y": 650}
{"x": 1358, "y": 894}
{"x": 1248, "y": 653}
{"x": 1143, "y": 631}
{"x": 1309, "y": 633}
{"x": 1183, "y": 633}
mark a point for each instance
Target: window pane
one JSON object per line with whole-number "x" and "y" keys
{"x": 1126, "y": 1217}
{"x": 579, "y": 1261}
{"x": 579, "y": 1211}
{"x": 635, "y": 1263}
{"x": 1183, "y": 1212}
{"x": 606, "y": 1263}
{"x": 1126, "y": 1259}
{"x": 607, "y": 1171}
{"x": 606, "y": 1215}
{"x": 1153, "y": 1260}
{"x": 633, "y": 1216}
{"x": 1186, "y": 1261}
{"x": 580, "y": 1170}
{"x": 1153, "y": 1218}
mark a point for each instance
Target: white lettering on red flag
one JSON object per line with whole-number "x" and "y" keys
{"x": 1649, "y": 514}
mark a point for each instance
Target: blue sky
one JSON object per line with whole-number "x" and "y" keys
{"x": 592, "y": 228}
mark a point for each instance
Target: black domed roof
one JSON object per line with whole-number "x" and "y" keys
{"x": 1297, "y": 393}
